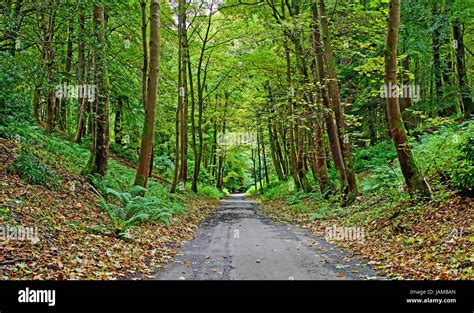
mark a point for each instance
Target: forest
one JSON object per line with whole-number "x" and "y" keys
{"x": 127, "y": 124}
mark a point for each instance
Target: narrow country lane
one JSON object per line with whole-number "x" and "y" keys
{"x": 237, "y": 243}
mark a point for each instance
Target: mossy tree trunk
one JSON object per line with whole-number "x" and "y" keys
{"x": 413, "y": 177}
{"x": 148, "y": 135}
{"x": 100, "y": 144}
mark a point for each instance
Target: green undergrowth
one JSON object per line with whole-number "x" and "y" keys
{"x": 42, "y": 156}
{"x": 445, "y": 156}
{"x": 211, "y": 192}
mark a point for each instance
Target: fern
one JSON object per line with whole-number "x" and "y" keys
{"x": 131, "y": 209}
{"x": 123, "y": 197}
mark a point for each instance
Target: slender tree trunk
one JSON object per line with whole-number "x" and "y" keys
{"x": 214, "y": 151}
{"x": 405, "y": 101}
{"x": 435, "y": 41}
{"x": 254, "y": 170}
{"x": 118, "y": 121}
{"x": 36, "y": 104}
{"x": 193, "y": 130}
{"x": 264, "y": 158}
{"x": 329, "y": 113}
{"x": 259, "y": 161}
{"x": 410, "y": 171}
{"x": 222, "y": 152}
{"x": 177, "y": 149}
{"x": 220, "y": 168}
{"x": 11, "y": 24}
{"x": 276, "y": 154}
{"x": 205, "y": 149}
{"x": 201, "y": 85}
{"x": 81, "y": 74}
{"x": 184, "y": 87}
{"x": 279, "y": 130}
{"x": 302, "y": 74}
{"x": 276, "y": 161}
{"x": 144, "y": 161}
{"x": 178, "y": 119}
{"x": 467, "y": 103}
{"x": 336, "y": 102}
{"x": 321, "y": 163}
{"x": 99, "y": 154}
{"x": 144, "y": 52}
{"x": 65, "y": 103}
{"x": 47, "y": 22}
{"x": 311, "y": 155}
{"x": 294, "y": 169}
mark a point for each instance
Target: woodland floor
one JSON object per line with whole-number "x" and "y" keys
{"x": 431, "y": 240}
{"x": 69, "y": 248}
{"x": 408, "y": 241}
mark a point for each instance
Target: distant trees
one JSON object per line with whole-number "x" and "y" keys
{"x": 304, "y": 80}
{"x": 305, "y": 112}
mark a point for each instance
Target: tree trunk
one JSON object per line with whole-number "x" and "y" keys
{"x": 276, "y": 161}
{"x": 321, "y": 164}
{"x": 259, "y": 161}
{"x": 36, "y": 104}
{"x": 64, "y": 105}
{"x": 221, "y": 152}
{"x": 118, "y": 121}
{"x": 293, "y": 164}
{"x": 145, "y": 53}
{"x": 81, "y": 74}
{"x": 193, "y": 130}
{"x": 178, "y": 118}
{"x": 438, "y": 85}
{"x": 214, "y": 151}
{"x": 302, "y": 75}
{"x": 201, "y": 85}
{"x": 254, "y": 170}
{"x": 184, "y": 87}
{"x": 47, "y": 22}
{"x": 99, "y": 154}
{"x": 467, "y": 103}
{"x": 410, "y": 171}
{"x": 283, "y": 148}
{"x": 177, "y": 149}
{"x": 336, "y": 102}
{"x": 11, "y": 24}
{"x": 329, "y": 113}
{"x": 144, "y": 161}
